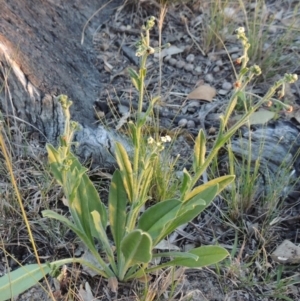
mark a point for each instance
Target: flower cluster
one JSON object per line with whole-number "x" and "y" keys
{"x": 159, "y": 144}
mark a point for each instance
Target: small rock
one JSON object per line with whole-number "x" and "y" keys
{"x": 216, "y": 69}
{"x": 223, "y": 92}
{"x": 209, "y": 78}
{"x": 165, "y": 113}
{"x": 212, "y": 57}
{"x": 266, "y": 46}
{"x": 190, "y": 58}
{"x": 167, "y": 58}
{"x": 219, "y": 63}
{"x": 194, "y": 104}
{"x": 212, "y": 131}
{"x": 155, "y": 43}
{"x": 172, "y": 61}
{"x": 191, "y": 109}
{"x": 198, "y": 70}
{"x": 234, "y": 56}
{"x": 234, "y": 49}
{"x": 182, "y": 122}
{"x": 189, "y": 67}
{"x": 191, "y": 124}
{"x": 272, "y": 29}
{"x": 180, "y": 64}
{"x": 227, "y": 86}
{"x": 229, "y": 13}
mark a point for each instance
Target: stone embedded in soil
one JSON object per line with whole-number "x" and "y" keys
{"x": 198, "y": 70}
{"x": 209, "y": 78}
{"x": 180, "y": 64}
{"x": 216, "y": 69}
{"x": 182, "y": 122}
{"x": 223, "y": 92}
{"x": 234, "y": 56}
{"x": 189, "y": 67}
{"x": 191, "y": 109}
{"x": 194, "y": 103}
{"x": 167, "y": 58}
{"x": 190, "y": 124}
{"x": 227, "y": 86}
{"x": 190, "y": 58}
{"x": 172, "y": 61}
{"x": 219, "y": 63}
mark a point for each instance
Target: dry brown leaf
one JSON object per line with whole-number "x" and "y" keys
{"x": 261, "y": 117}
{"x": 89, "y": 257}
{"x": 65, "y": 201}
{"x": 165, "y": 245}
{"x": 144, "y": 279}
{"x": 86, "y": 293}
{"x": 169, "y": 51}
{"x": 203, "y": 92}
{"x": 113, "y": 284}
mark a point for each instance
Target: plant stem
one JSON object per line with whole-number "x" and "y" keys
{"x": 223, "y": 138}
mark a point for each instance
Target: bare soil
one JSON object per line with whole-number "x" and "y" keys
{"x": 250, "y": 274}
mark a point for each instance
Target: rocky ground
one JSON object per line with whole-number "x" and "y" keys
{"x": 189, "y": 64}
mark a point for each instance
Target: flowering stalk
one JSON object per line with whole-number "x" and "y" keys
{"x": 245, "y": 76}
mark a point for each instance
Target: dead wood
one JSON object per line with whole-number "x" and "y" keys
{"x": 41, "y": 56}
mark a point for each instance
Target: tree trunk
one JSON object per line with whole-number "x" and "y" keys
{"x": 41, "y": 56}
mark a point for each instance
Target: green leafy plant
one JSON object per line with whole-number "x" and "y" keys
{"x": 135, "y": 231}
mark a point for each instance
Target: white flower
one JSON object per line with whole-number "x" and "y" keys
{"x": 240, "y": 30}
{"x": 165, "y": 139}
{"x": 150, "y": 140}
{"x": 168, "y": 138}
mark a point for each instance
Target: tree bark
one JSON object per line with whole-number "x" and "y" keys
{"x": 41, "y": 56}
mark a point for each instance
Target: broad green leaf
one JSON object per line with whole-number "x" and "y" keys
{"x": 89, "y": 195}
{"x": 84, "y": 198}
{"x": 145, "y": 185}
{"x": 155, "y": 218}
{"x": 53, "y": 154}
{"x": 20, "y": 280}
{"x": 89, "y": 243}
{"x": 102, "y": 236}
{"x": 185, "y": 181}
{"x": 222, "y": 182}
{"x": 186, "y": 215}
{"x": 136, "y": 248}
{"x": 79, "y": 190}
{"x": 208, "y": 255}
{"x": 125, "y": 169}
{"x": 132, "y": 128}
{"x": 184, "y": 255}
{"x": 78, "y": 231}
{"x": 55, "y": 163}
{"x": 199, "y": 150}
{"x": 188, "y": 211}
{"x": 117, "y": 200}
{"x": 206, "y": 194}
{"x": 79, "y": 206}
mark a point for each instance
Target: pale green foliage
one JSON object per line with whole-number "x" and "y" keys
{"x": 135, "y": 234}
{"x": 22, "y": 279}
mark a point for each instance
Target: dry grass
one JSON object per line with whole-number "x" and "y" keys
{"x": 252, "y": 234}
